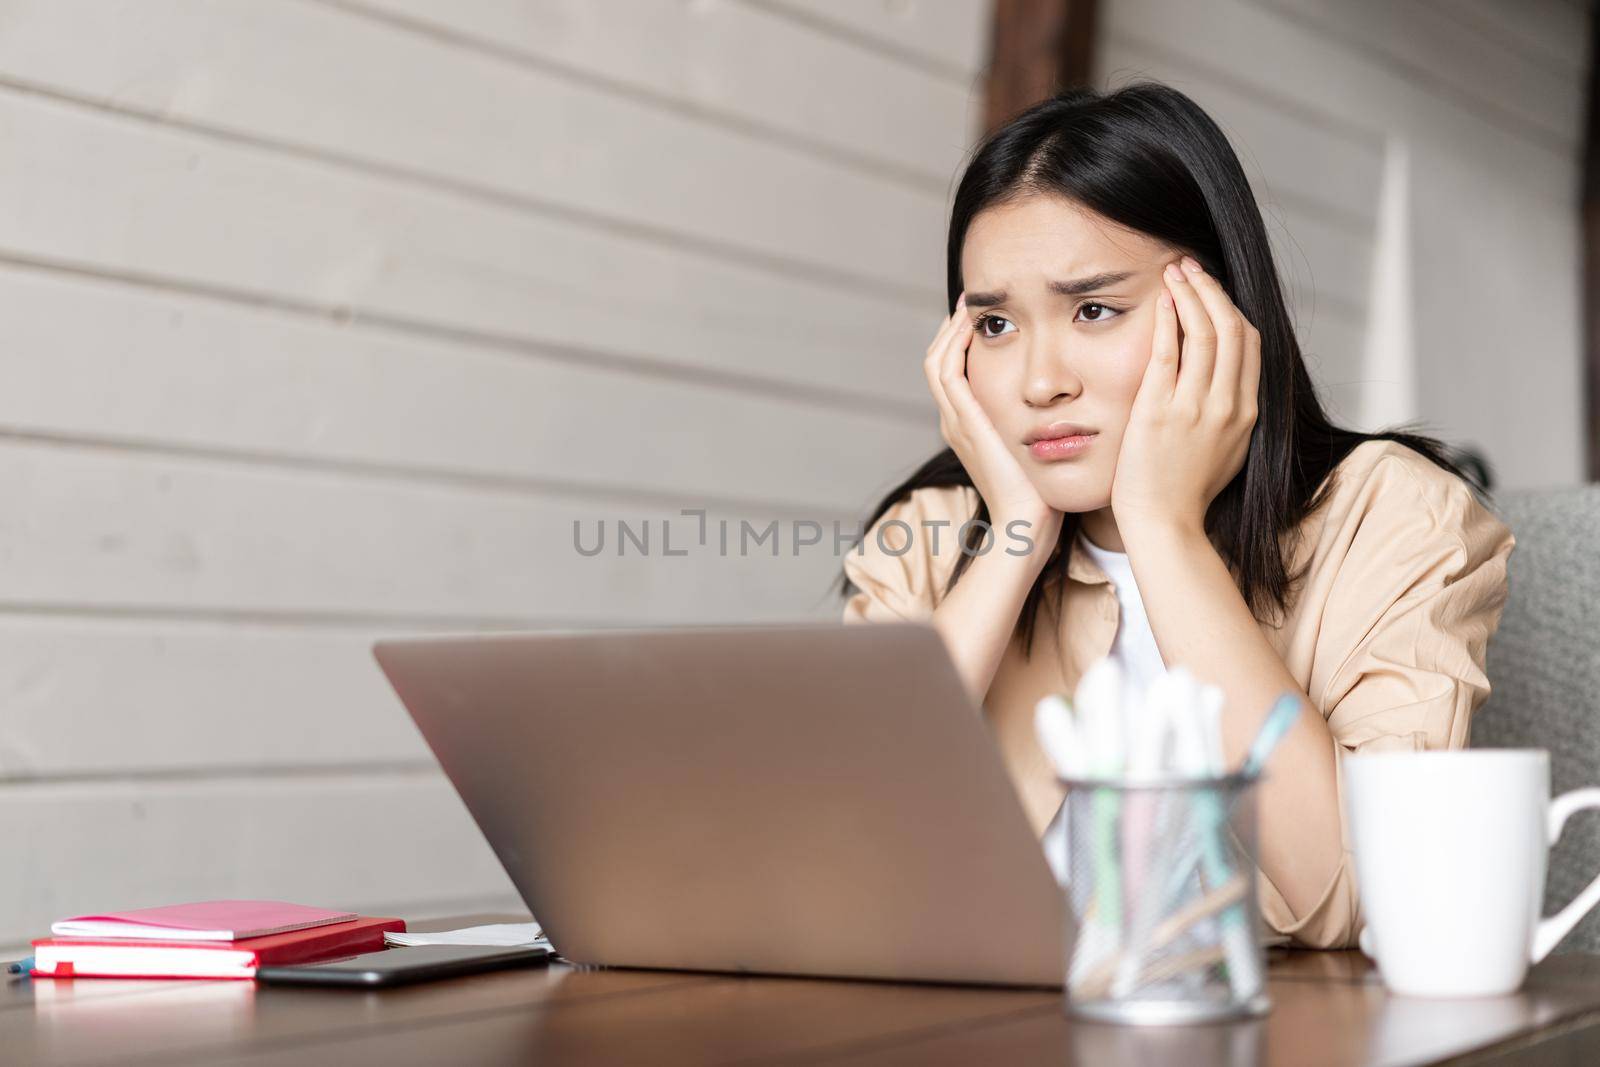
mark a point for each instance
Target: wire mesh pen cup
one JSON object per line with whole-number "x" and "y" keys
{"x": 1160, "y": 880}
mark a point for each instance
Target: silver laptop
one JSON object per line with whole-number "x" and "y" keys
{"x": 809, "y": 799}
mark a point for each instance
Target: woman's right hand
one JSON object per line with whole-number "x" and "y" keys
{"x": 995, "y": 471}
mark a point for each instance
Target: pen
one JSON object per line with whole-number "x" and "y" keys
{"x": 1100, "y": 703}
{"x": 1202, "y": 735}
{"x": 22, "y": 966}
{"x": 1146, "y": 816}
{"x": 1280, "y": 717}
{"x": 1098, "y": 706}
{"x": 1277, "y": 723}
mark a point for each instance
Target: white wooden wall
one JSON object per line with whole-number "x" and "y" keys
{"x": 1419, "y": 166}
{"x": 324, "y": 319}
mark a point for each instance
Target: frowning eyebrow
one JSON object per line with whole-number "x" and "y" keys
{"x": 1075, "y": 287}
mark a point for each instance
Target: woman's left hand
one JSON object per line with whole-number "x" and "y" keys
{"x": 1189, "y": 430}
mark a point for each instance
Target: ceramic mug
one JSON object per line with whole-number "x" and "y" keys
{"x": 1450, "y": 853}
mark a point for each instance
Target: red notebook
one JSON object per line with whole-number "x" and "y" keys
{"x": 123, "y": 957}
{"x": 204, "y": 920}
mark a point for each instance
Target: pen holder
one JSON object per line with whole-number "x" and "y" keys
{"x": 1160, "y": 880}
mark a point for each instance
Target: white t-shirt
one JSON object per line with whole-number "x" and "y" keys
{"x": 1134, "y": 649}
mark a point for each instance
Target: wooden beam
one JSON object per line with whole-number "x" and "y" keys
{"x": 1591, "y": 259}
{"x": 1036, "y": 48}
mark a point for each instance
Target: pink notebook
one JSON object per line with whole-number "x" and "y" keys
{"x": 206, "y": 920}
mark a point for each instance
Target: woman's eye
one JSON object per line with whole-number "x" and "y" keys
{"x": 1092, "y": 312}
{"x": 983, "y": 322}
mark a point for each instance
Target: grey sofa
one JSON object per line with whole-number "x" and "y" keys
{"x": 1544, "y": 671}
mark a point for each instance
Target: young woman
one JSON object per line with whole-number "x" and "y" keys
{"x": 1139, "y": 467}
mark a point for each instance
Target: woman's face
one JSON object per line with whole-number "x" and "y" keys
{"x": 1065, "y": 303}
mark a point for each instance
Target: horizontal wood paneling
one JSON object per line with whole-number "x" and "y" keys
{"x": 949, "y": 35}
{"x": 1321, "y": 262}
{"x": 1305, "y": 156}
{"x": 110, "y": 362}
{"x": 1286, "y": 59}
{"x": 258, "y": 225}
{"x": 498, "y": 128}
{"x": 105, "y": 530}
{"x": 1498, "y": 320}
{"x": 726, "y": 61}
{"x": 1440, "y": 54}
{"x": 98, "y": 697}
{"x": 339, "y": 842}
{"x": 325, "y": 324}
{"x": 1551, "y": 32}
{"x": 1333, "y": 347}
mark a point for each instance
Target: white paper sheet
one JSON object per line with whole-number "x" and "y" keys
{"x": 506, "y": 934}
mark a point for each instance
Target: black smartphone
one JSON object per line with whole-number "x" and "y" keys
{"x": 397, "y": 966}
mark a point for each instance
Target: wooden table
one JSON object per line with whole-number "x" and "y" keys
{"x": 1328, "y": 1009}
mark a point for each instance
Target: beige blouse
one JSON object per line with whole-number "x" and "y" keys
{"x": 1405, "y": 581}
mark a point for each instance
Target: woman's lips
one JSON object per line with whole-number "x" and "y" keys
{"x": 1061, "y": 447}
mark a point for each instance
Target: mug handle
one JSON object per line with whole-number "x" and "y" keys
{"x": 1550, "y": 931}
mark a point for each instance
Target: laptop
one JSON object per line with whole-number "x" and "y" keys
{"x": 799, "y": 799}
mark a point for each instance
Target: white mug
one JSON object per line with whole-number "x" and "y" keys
{"x": 1450, "y": 852}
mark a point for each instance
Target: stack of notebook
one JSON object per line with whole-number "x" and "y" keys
{"x": 209, "y": 939}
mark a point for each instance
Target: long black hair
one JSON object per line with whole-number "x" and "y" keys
{"x": 1146, "y": 156}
